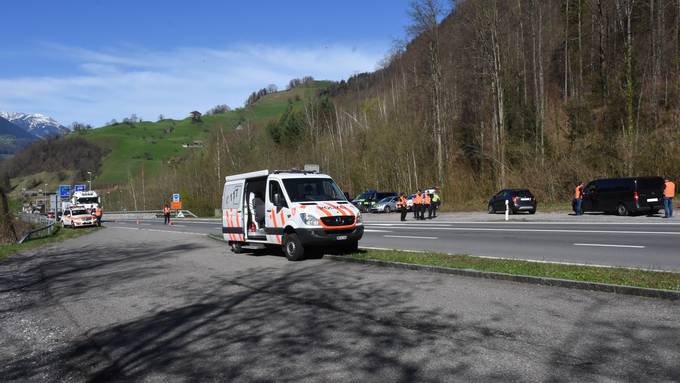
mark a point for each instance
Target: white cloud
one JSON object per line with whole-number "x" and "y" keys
{"x": 114, "y": 84}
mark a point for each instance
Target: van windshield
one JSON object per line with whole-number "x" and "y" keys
{"x": 313, "y": 189}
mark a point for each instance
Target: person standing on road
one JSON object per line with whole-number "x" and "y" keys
{"x": 401, "y": 204}
{"x": 166, "y": 214}
{"x": 668, "y": 195}
{"x": 427, "y": 204}
{"x": 435, "y": 203}
{"x": 417, "y": 203}
{"x": 578, "y": 198}
{"x": 98, "y": 212}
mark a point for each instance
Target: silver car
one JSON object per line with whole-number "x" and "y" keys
{"x": 385, "y": 205}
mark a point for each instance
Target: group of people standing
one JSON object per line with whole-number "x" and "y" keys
{"x": 668, "y": 195}
{"x": 422, "y": 202}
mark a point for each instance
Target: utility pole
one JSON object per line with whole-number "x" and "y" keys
{"x": 89, "y": 182}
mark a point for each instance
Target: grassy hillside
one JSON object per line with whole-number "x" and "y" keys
{"x": 152, "y": 144}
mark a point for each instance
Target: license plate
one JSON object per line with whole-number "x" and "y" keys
{"x": 341, "y": 237}
{"x": 652, "y": 200}
{"x": 525, "y": 199}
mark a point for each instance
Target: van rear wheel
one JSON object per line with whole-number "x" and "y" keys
{"x": 236, "y": 248}
{"x": 292, "y": 247}
{"x": 622, "y": 210}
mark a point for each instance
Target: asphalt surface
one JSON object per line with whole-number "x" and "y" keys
{"x": 645, "y": 242}
{"x": 139, "y": 304}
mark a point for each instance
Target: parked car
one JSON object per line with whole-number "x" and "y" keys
{"x": 385, "y": 205}
{"x": 409, "y": 202}
{"x": 518, "y": 200}
{"x": 624, "y": 196}
{"x": 78, "y": 216}
{"x": 369, "y": 198}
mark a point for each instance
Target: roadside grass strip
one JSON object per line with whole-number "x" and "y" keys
{"x": 663, "y": 280}
{"x": 60, "y": 235}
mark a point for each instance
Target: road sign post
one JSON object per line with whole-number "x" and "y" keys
{"x": 176, "y": 202}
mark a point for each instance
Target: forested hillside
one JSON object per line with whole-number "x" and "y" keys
{"x": 497, "y": 93}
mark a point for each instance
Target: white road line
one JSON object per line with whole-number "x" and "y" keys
{"x": 157, "y": 230}
{"x": 606, "y": 245}
{"x": 174, "y": 224}
{"x": 408, "y": 236}
{"x": 416, "y": 223}
{"x": 516, "y": 230}
{"x": 376, "y": 231}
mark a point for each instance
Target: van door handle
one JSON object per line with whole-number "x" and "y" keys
{"x": 269, "y": 210}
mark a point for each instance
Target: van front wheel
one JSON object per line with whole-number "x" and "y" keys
{"x": 622, "y": 210}
{"x": 292, "y": 247}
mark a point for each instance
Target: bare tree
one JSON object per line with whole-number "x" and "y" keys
{"x": 425, "y": 15}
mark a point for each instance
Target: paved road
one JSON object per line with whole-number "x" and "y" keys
{"x": 140, "y": 305}
{"x": 646, "y": 242}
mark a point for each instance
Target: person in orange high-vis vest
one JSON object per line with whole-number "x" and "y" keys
{"x": 427, "y": 206}
{"x": 166, "y": 214}
{"x": 578, "y": 198}
{"x": 668, "y": 195}
{"x": 417, "y": 204}
{"x": 401, "y": 204}
{"x": 98, "y": 212}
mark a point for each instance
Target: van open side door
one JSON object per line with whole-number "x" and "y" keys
{"x": 233, "y": 220}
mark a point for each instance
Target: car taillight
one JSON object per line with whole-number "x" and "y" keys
{"x": 635, "y": 196}
{"x": 514, "y": 200}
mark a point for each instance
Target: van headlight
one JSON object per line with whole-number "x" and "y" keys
{"x": 360, "y": 219}
{"x": 309, "y": 219}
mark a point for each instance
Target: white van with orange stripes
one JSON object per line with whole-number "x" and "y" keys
{"x": 292, "y": 209}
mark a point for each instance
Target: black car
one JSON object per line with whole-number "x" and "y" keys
{"x": 624, "y": 196}
{"x": 369, "y": 198}
{"x": 518, "y": 200}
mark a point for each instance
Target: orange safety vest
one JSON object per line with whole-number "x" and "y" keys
{"x": 402, "y": 202}
{"x": 166, "y": 210}
{"x": 427, "y": 199}
{"x": 98, "y": 212}
{"x": 578, "y": 192}
{"x": 418, "y": 199}
{"x": 669, "y": 189}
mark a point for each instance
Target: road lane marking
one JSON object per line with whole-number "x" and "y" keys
{"x": 515, "y": 230}
{"x": 409, "y": 236}
{"x": 606, "y": 245}
{"x": 376, "y": 231}
{"x": 416, "y": 223}
{"x": 157, "y": 230}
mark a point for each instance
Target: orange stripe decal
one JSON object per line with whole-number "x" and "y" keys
{"x": 326, "y": 212}
{"x": 228, "y": 218}
{"x": 278, "y": 239}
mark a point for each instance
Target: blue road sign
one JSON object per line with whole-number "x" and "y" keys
{"x": 175, "y": 197}
{"x": 79, "y": 187}
{"x": 64, "y": 191}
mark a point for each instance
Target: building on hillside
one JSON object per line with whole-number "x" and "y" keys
{"x": 195, "y": 116}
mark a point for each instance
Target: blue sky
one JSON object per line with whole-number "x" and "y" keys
{"x": 94, "y": 60}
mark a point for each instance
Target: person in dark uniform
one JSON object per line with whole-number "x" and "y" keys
{"x": 166, "y": 214}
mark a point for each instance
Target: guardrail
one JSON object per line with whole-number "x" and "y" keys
{"x": 48, "y": 226}
{"x": 147, "y": 213}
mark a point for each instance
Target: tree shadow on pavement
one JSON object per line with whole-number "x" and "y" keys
{"x": 317, "y": 321}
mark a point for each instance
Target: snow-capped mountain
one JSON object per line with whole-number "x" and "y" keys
{"x": 36, "y": 124}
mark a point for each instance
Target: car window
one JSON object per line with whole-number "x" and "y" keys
{"x": 653, "y": 183}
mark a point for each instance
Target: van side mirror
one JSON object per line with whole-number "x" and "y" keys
{"x": 277, "y": 200}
